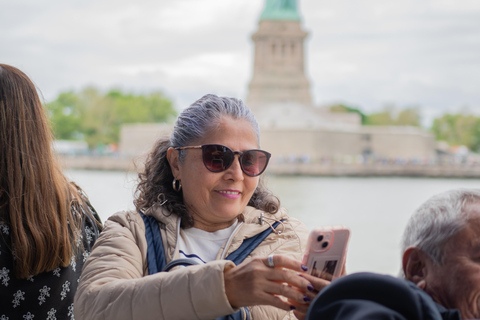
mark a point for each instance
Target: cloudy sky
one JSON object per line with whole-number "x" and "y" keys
{"x": 367, "y": 53}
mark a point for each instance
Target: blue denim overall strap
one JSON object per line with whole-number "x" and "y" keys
{"x": 157, "y": 263}
{"x": 248, "y": 245}
{"x": 155, "y": 251}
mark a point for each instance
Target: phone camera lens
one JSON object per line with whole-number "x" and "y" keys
{"x": 320, "y": 238}
{"x": 325, "y": 244}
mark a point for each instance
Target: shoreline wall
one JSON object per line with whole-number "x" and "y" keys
{"x": 443, "y": 170}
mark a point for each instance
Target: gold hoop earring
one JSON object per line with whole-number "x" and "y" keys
{"x": 174, "y": 185}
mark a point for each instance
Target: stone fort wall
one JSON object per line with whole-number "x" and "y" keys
{"x": 307, "y": 144}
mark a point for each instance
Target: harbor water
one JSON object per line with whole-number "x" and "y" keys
{"x": 375, "y": 209}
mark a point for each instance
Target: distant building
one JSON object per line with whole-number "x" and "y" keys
{"x": 279, "y": 71}
{"x": 292, "y": 128}
{"x": 295, "y": 130}
{"x": 138, "y": 139}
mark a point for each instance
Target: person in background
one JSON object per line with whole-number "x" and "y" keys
{"x": 47, "y": 225}
{"x": 202, "y": 189}
{"x": 441, "y": 250}
{"x": 440, "y": 261}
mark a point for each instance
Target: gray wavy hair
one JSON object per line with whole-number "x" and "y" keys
{"x": 191, "y": 125}
{"x": 438, "y": 219}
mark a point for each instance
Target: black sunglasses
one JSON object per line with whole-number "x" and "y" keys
{"x": 218, "y": 158}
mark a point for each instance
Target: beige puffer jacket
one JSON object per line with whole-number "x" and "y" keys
{"x": 115, "y": 283}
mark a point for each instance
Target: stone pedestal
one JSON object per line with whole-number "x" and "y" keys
{"x": 278, "y": 71}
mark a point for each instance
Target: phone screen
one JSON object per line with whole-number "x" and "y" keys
{"x": 324, "y": 269}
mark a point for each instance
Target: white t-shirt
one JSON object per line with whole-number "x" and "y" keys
{"x": 203, "y": 246}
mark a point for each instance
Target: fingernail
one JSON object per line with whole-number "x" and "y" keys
{"x": 307, "y": 299}
{"x": 310, "y": 287}
{"x": 292, "y": 308}
{"x": 304, "y": 267}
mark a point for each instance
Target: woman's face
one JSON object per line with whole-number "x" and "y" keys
{"x": 215, "y": 199}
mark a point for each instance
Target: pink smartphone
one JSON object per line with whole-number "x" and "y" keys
{"x": 326, "y": 251}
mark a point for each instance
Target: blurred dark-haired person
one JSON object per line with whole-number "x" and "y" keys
{"x": 47, "y": 225}
{"x": 441, "y": 263}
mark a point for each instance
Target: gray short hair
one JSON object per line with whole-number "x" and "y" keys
{"x": 438, "y": 219}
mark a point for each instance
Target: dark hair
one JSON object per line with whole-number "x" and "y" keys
{"x": 155, "y": 182}
{"x": 35, "y": 197}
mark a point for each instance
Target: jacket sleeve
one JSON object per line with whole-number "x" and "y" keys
{"x": 113, "y": 285}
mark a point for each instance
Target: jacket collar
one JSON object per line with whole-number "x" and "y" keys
{"x": 250, "y": 217}
{"x": 250, "y": 227}
{"x": 448, "y": 314}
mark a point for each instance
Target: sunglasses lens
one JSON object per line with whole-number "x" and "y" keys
{"x": 254, "y": 162}
{"x": 217, "y": 157}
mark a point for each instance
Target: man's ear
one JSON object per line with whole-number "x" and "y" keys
{"x": 414, "y": 264}
{"x": 172, "y": 158}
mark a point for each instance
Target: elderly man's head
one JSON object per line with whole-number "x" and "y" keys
{"x": 441, "y": 246}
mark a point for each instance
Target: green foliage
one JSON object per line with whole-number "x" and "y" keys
{"x": 341, "y": 108}
{"x": 387, "y": 117}
{"x": 409, "y": 117}
{"x": 455, "y": 129}
{"x": 97, "y": 118}
{"x": 390, "y": 117}
{"x": 382, "y": 118}
{"x": 458, "y": 129}
{"x": 64, "y": 116}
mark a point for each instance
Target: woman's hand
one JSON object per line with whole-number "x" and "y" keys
{"x": 254, "y": 282}
{"x": 318, "y": 283}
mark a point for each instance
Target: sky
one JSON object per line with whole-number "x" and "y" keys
{"x": 366, "y": 54}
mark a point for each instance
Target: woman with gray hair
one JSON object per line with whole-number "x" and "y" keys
{"x": 200, "y": 202}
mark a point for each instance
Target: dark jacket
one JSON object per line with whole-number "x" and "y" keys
{"x": 376, "y": 297}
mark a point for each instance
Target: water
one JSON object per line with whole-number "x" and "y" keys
{"x": 375, "y": 209}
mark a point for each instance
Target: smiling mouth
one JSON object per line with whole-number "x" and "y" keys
{"x": 229, "y": 192}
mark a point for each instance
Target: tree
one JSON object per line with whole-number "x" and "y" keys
{"x": 382, "y": 118}
{"x": 341, "y": 108}
{"x": 391, "y": 116}
{"x": 458, "y": 129}
{"x": 409, "y": 117}
{"x": 97, "y": 118}
{"x": 64, "y": 116}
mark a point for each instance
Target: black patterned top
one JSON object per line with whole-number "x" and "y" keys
{"x": 47, "y": 295}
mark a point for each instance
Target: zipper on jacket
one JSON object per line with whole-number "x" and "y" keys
{"x": 178, "y": 237}
{"x": 244, "y": 314}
